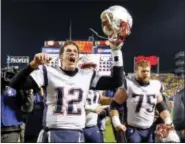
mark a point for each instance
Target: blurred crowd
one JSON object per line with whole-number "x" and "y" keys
{"x": 172, "y": 83}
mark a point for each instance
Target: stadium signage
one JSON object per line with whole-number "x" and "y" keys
{"x": 152, "y": 59}
{"x": 17, "y": 59}
{"x": 50, "y": 50}
{"x": 102, "y": 50}
{"x": 85, "y": 46}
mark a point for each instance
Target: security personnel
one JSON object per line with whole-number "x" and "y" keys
{"x": 119, "y": 137}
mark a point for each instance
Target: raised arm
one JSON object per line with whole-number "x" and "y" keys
{"x": 23, "y": 80}
{"x": 115, "y": 80}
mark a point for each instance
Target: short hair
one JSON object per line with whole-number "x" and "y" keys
{"x": 66, "y": 44}
{"x": 143, "y": 63}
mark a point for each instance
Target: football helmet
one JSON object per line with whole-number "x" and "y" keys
{"x": 116, "y": 23}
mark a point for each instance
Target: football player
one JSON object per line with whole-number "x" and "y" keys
{"x": 66, "y": 88}
{"x": 142, "y": 95}
{"x": 93, "y": 108}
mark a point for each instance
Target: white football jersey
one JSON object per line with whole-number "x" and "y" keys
{"x": 92, "y": 99}
{"x": 141, "y": 102}
{"x": 65, "y": 97}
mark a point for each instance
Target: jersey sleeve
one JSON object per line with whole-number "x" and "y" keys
{"x": 38, "y": 77}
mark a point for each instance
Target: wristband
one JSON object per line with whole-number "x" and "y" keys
{"x": 117, "y": 58}
{"x": 116, "y": 121}
{"x": 168, "y": 120}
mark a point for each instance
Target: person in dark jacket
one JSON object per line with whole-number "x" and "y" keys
{"x": 14, "y": 107}
{"x": 179, "y": 114}
{"x": 34, "y": 120}
{"x": 119, "y": 137}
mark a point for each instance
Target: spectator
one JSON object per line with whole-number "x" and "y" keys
{"x": 15, "y": 106}
{"x": 179, "y": 114}
{"x": 35, "y": 119}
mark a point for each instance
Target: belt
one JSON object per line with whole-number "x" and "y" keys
{"x": 10, "y": 128}
{"x": 90, "y": 126}
{"x": 49, "y": 129}
{"x": 137, "y": 127}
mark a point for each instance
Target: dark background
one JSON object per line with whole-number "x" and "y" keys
{"x": 158, "y": 28}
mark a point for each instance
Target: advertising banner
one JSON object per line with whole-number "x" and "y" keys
{"x": 17, "y": 59}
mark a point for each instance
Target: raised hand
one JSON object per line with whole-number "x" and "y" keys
{"x": 40, "y": 59}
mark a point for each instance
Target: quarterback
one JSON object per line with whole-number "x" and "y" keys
{"x": 66, "y": 89}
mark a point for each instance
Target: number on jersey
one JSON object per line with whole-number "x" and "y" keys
{"x": 149, "y": 97}
{"x": 93, "y": 100}
{"x": 70, "y": 104}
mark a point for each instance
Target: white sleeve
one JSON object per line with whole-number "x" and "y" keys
{"x": 38, "y": 77}
{"x": 91, "y": 108}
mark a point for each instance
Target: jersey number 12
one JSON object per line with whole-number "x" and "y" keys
{"x": 70, "y": 103}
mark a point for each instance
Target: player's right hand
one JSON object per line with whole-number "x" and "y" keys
{"x": 121, "y": 128}
{"x": 40, "y": 59}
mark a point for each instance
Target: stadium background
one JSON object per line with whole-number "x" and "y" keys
{"x": 157, "y": 31}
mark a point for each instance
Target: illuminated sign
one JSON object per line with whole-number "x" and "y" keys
{"x": 102, "y": 50}
{"x": 50, "y": 50}
{"x": 53, "y": 43}
{"x": 152, "y": 59}
{"x": 17, "y": 59}
{"x": 85, "y": 46}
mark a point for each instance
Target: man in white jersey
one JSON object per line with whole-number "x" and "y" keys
{"x": 66, "y": 88}
{"x": 142, "y": 95}
{"x": 93, "y": 108}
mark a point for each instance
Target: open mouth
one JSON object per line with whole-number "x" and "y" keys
{"x": 72, "y": 59}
